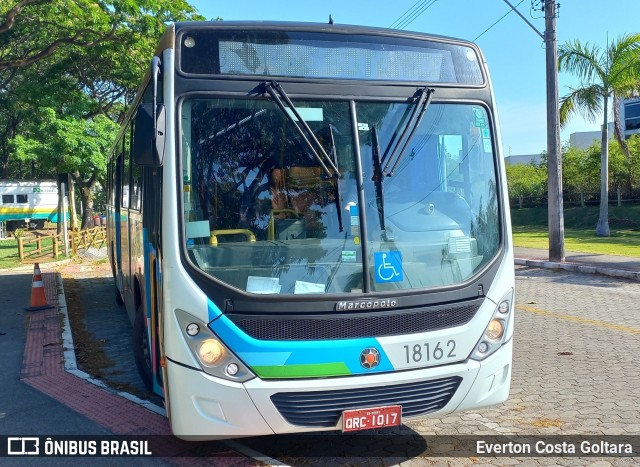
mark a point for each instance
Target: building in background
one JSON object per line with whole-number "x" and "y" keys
{"x": 526, "y": 159}
{"x": 630, "y": 115}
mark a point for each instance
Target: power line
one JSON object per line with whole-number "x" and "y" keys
{"x": 499, "y": 19}
{"x": 415, "y": 15}
{"x": 412, "y": 13}
{"x": 398, "y": 20}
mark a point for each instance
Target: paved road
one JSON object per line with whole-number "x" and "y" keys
{"x": 576, "y": 371}
{"x": 576, "y": 367}
{"x": 23, "y": 409}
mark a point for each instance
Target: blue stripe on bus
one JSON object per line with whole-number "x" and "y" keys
{"x": 256, "y": 352}
{"x": 214, "y": 311}
{"x": 148, "y": 250}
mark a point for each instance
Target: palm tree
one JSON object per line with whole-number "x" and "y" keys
{"x": 605, "y": 75}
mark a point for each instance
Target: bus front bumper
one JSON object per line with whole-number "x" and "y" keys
{"x": 203, "y": 407}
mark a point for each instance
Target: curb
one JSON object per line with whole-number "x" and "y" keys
{"x": 70, "y": 363}
{"x": 580, "y": 268}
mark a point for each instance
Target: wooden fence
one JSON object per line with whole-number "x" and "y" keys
{"x": 95, "y": 237}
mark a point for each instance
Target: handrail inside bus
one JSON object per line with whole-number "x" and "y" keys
{"x": 213, "y": 239}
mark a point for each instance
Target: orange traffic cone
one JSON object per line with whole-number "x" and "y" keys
{"x": 38, "y": 299}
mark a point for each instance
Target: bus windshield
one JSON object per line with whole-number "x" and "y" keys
{"x": 261, "y": 215}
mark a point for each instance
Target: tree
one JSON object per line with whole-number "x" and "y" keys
{"x": 605, "y": 75}
{"x": 74, "y": 146}
{"x": 64, "y": 66}
{"x": 634, "y": 150}
{"x": 33, "y": 88}
{"x": 34, "y": 30}
{"x": 526, "y": 181}
{"x": 580, "y": 170}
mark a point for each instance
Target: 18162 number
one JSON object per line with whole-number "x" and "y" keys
{"x": 428, "y": 352}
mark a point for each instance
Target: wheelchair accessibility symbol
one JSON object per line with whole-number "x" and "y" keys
{"x": 388, "y": 266}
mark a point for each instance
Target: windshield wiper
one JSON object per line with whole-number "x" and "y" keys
{"x": 278, "y": 95}
{"x": 419, "y": 108}
{"x": 377, "y": 175}
{"x": 334, "y": 156}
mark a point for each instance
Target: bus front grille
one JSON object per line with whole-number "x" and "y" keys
{"x": 323, "y": 409}
{"x": 372, "y": 324}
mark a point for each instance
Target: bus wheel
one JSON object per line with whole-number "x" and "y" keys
{"x": 142, "y": 349}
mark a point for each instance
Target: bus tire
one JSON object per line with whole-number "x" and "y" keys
{"x": 141, "y": 349}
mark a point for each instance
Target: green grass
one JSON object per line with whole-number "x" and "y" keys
{"x": 9, "y": 253}
{"x": 530, "y": 230}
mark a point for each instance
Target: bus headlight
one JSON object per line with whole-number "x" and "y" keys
{"x": 210, "y": 352}
{"x": 212, "y": 355}
{"x": 496, "y": 331}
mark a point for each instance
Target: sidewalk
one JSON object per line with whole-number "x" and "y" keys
{"x": 607, "y": 265}
{"x": 44, "y": 394}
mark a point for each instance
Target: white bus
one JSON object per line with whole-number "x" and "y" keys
{"x": 28, "y": 202}
{"x": 309, "y": 229}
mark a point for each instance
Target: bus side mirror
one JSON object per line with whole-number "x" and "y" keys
{"x": 148, "y": 141}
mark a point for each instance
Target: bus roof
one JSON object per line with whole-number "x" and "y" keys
{"x": 325, "y": 51}
{"x": 313, "y": 27}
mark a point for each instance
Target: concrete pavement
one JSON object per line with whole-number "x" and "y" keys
{"x": 588, "y": 263}
{"x": 39, "y": 396}
{"x": 24, "y": 409}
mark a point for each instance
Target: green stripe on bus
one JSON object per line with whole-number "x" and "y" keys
{"x": 302, "y": 371}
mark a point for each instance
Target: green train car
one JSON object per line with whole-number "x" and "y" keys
{"x": 28, "y": 203}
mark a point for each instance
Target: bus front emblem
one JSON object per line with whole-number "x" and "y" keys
{"x": 369, "y": 358}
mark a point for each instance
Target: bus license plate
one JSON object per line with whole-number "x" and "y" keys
{"x": 366, "y": 419}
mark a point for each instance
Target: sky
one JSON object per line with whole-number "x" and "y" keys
{"x": 514, "y": 52}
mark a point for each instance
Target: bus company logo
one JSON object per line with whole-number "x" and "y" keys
{"x": 366, "y": 304}
{"x": 369, "y": 358}
{"x": 23, "y": 445}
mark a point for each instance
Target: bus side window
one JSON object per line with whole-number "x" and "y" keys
{"x": 136, "y": 177}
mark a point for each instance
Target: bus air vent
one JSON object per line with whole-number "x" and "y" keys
{"x": 370, "y": 324}
{"x": 324, "y": 408}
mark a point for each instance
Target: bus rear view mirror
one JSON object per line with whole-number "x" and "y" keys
{"x": 148, "y": 143}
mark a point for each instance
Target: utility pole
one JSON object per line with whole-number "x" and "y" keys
{"x": 554, "y": 154}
